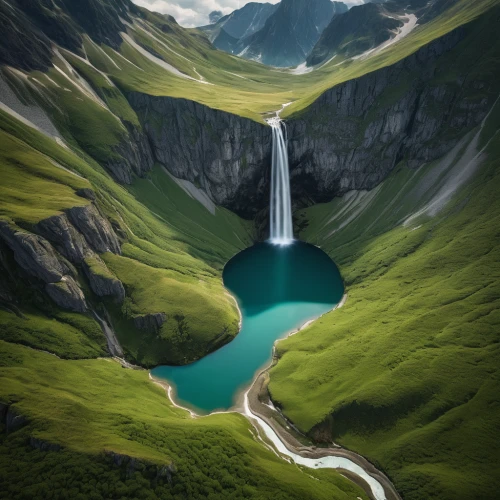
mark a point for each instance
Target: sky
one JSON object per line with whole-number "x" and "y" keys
{"x": 190, "y": 13}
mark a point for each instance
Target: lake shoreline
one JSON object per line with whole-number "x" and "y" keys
{"x": 255, "y": 403}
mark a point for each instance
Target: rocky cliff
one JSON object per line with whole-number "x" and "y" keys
{"x": 357, "y": 132}
{"x": 349, "y": 139}
{"x": 226, "y": 155}
{"x": 50, "y": 255}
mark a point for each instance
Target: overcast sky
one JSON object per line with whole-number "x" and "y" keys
{"x": 190, "y": 13}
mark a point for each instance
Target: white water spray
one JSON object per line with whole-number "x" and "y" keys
{"x": 281, "y": 205}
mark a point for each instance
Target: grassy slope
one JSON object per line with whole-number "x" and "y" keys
{"x": 90, "y": 406}
{"x": 162, "y": 226}
{"x": 244, "y": 87}
{"x": 406, "y": 373}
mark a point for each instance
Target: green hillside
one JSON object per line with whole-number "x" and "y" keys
{"x": 97, "y": 416}
{"x": 406, "y": 373}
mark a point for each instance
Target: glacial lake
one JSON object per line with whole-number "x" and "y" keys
{"x": 278, "y": 289}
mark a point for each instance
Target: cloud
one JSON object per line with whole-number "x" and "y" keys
{"x": 191, "y": 13}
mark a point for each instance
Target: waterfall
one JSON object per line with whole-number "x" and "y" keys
{"x": 281, "y": 206}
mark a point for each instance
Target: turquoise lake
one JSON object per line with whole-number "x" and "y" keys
{"x": 278, "y": 289}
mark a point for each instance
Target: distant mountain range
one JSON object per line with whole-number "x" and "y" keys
{"x": 242, "y": 22}
{"x": 283, "y": 34}
{"x": 294, "y": 32}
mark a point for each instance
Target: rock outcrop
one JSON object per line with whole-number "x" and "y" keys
{"x": 95, "y": 228}
{"x": 67, "y": 294}
{"x": 151, "y": 470}
{"x": 150, "y": 322}
{"x": 12, "y": 418}
{"x": 102, "y": 282}
{"x": 63, "y": 235}
{"x": 133, "y": 156}
{"x": 34, "y": 253}
{"x": 39, "y": 444}
{"x": 226, "y": 155}
{"x": 350, "y": 138}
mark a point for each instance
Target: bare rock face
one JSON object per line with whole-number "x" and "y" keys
{"x": 67, "y": 294}
{"x": 34, "y": 253}
{"x": 86, "y": 193}
{"x": 226, "y": 155}
{"x": 350, "y": 138}
{"x": 14, "y": 420}
{"x": 68, "y": 241}
{"x": 95, "y": 228}
{"x": 134, "y": 156}
{"x": 354, "y": 134}
{"x": 150, "y": 322}
{"x": 101, "y": 281}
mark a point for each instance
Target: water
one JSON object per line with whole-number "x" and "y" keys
{"x": 278, "y": 289}
{"x": 280, "y": 206}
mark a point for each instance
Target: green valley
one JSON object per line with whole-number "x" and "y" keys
{"x": 137, "y": 159}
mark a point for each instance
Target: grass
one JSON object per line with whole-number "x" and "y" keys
{"x": 68, "y": 335}
{"x": 90, "y": 406}
{"x": 406, "y": 373}
{"x": 199, "y": 314}
{"x": 33, "y": 186}
{"x": 244, "y": 87}
{"x": 168, "y": 235}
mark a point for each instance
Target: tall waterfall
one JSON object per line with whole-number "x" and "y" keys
{"x": 281, "y": 206}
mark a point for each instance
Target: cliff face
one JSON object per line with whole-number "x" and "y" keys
{"x": 349, "y": 139}
{"x": 226, "y": 155}
{"x": 133, "y": 156}
{"x": 48, "y": 256}
{"x": 356, "y": 133}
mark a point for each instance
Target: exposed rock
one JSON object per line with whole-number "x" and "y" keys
{"x": 65, "y": 237}
{"x": 357, "y": 132}
{"x": 102, "y": 282}
{"x": 38, "y": 444}
{"x": 34, "y": 253}
{"x": 150, "y": 322}
{"x": 14, "y": 420}
{"x": 67, "y": 294}
{"x": 148, "y": 469}
{"x": 134, "y": 156}
{"x": 87, "y": 193}
{"x": 4, "y": 408}
{"x": 96, "y": 229}
{"x": 350, "y": 138}
{"x": 226, "y": 155}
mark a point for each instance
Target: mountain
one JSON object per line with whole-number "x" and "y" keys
{"x": 290, "y": 34}
{"x": 135, "y": 162}
{"x": 242, "y": 22}
{"x": 362, "y": 28}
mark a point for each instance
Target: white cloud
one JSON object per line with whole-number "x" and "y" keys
{"x": 190, "y": 13}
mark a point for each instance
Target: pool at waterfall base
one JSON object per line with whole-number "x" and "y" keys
{"x": 278, "y": 289}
